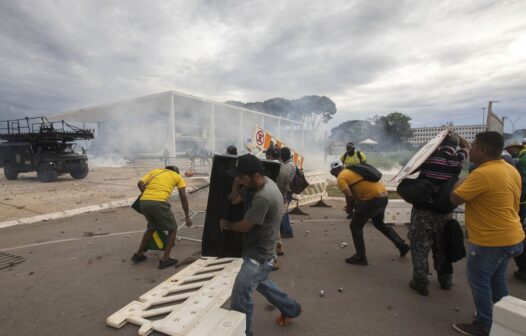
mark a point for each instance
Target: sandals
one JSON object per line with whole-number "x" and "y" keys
{"x": 136, "y": 258}
{"x": 167, "y": 263}
{"x": 285, "y": 321}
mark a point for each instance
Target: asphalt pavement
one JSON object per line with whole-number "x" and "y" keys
{"x": 78, "y": 272}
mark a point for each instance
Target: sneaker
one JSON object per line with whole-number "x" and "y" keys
{"x": 520, "y": 274}
{"x": 167, "y": 263}
{"x": 285, "y": 321}
{"x": 420, "y": 289}
{"x": 137, "y": 258}
{"x": 403, "y": 250}
{"x": 356, "y": 260}
{"x": 473, "y": 329}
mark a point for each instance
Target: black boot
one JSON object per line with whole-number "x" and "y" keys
{"x": 419, "y": 288}
{"x": 445, "y": 281}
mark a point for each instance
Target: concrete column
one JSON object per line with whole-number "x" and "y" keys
{"x": 172, "y": 146}
{"x": 212, "y": 129}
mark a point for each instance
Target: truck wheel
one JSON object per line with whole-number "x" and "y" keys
{"x": 79, "y": 172}
{"x": 45, "y": 173}
{"x": 10, "y": 171}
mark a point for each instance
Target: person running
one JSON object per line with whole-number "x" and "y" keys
{"x": 261, "y": 227}
{"x": 371, "y": 201}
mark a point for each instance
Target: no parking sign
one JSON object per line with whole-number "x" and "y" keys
{"x": 263, "y": 140}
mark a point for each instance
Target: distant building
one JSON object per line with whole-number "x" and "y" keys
{"x": 422, "y": 135}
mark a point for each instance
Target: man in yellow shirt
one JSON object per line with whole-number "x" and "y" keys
{"x": 371, "y": 201}
{"x": 352, "y": 156}
{"x": 491, "y": 193}
{"x": 157, "y": 187}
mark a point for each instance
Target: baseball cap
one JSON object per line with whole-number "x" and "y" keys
{"x": 336, "y": 164}
{"x": 246, "y": 164}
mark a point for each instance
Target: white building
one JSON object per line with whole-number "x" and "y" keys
{"x": 173, "y": 123}
{"x": 422, "y": 135}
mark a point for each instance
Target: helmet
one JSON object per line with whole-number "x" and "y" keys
{"x": 524, "y": 141}
{"x": 336, "y": 164}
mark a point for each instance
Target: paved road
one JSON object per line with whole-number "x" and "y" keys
{"x": 69, "y": 287}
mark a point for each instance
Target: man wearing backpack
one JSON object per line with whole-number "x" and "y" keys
{"x": 350, "y": 157}
{"x": 427, "y": 223}
{"x": 286, "y": 175}
{"x": 371, "y": 201}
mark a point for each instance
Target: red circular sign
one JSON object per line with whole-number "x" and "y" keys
{"x": 260, "y": 137}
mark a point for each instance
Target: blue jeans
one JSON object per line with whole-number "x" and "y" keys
{"x": 254, "y": 275}
{"x": 285, "y": 228}
{"x": 486, "y": 272}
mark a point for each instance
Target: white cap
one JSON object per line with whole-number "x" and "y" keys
{"x": 524, "y": 141}
{"x": 336, "y": 164}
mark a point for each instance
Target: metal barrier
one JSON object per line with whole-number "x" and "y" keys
{"x": 198, "y": 165}
{"x": 188, "y": 303}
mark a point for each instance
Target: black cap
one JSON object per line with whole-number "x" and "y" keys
{"x": 247, "y": 164}
{"x": 272, "y": 151}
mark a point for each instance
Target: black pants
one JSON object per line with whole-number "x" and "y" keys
{"x": 375, "y": 210}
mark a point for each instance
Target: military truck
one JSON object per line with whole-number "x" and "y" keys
{"x": 36, "y": 144}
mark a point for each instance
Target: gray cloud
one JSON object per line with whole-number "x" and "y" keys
{"x": 436, "y": 62}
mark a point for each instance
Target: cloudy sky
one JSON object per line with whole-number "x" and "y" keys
{"x": 436, "y": 61}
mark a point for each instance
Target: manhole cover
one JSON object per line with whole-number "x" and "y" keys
{"x": 8, "y": 260}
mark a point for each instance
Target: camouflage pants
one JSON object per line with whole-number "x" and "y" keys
{"x": 424, "y": 234}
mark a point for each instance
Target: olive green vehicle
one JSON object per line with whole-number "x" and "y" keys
{"x": 36, "y": 144}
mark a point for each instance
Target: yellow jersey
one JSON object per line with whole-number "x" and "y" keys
{"x": 361, "y": 189}
{"x": 160, "y": 184}
{"x": 348, "y": 160}
{"x": 492, "y": 193}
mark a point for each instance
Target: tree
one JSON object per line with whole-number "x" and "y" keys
{"x": 311, "y": 110}
{"x": 353, "y": 130}
{"x": 396, "y": 125}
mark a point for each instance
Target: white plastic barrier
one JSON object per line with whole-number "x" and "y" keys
{"x": 509, "y": 317}
{"x": 316, "y": 191}
{"x": 189, "y": 302}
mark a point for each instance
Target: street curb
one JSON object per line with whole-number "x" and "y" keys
{"x": 74, "y": 212}
{"x": 67, "y": 213}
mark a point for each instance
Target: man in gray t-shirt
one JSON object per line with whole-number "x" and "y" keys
{"x": 260, "y": 224}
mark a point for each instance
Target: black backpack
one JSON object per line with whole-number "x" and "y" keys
{"x": 299, "y": 182}
{"x": 442, "y": 202}
{"x": 417, "y": 192}
{"x": 368, "y": 172}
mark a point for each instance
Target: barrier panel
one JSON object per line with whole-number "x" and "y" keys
{"x": 509, "y": 317}
{"x": 316, "y": 191}
{"x": 188, "y": 302}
